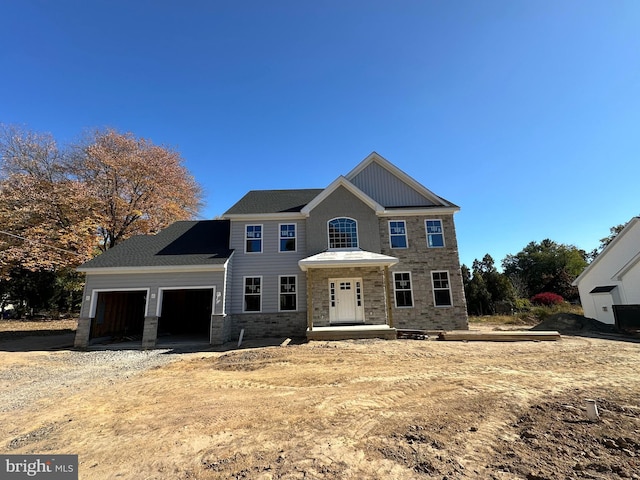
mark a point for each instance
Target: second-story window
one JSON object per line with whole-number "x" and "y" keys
{"x": 343, "y": 233}
{"x": 253, "y": 237}
{"x": 397, "y": 234}
{"x": 288, "y": 237}
{"x": 435, "y": 233}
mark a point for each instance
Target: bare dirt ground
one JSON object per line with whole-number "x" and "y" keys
{"x": 367, "y": 409}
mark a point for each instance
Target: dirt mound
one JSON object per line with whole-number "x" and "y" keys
{"x": 570, "y": 322}
{"x": 248, "y": 360}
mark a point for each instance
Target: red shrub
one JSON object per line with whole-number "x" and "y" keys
{"x": 547, "y": 298}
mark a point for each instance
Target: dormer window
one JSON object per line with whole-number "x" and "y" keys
{"x": 343, "y": 233}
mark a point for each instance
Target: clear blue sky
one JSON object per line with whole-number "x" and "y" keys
{"x": 524, "y": 113}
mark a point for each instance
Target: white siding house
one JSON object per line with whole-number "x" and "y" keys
{"x": 613, "y": 278}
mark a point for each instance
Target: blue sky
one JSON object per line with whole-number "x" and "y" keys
{"x": 526, "y": 114}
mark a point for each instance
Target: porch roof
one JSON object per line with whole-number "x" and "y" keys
{"x": 346, "y": 258}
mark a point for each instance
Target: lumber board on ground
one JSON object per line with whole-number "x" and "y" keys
{"x": 499, "y": 336}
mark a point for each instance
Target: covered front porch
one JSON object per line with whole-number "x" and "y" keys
{"x": 348, "y": 295}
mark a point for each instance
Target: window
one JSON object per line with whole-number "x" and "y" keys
{"x": 435, "y": 235}
{"x": 252, "y": 294}
{"x": 288, "y": 295}
{"x": 253, "y": 238}
{"x": 343, "y": 233}
{"x": 397, "y": 234}
{"x": 402, "y": 288}
{"x": 288, "y": 237}
{"x": 441, "y": 289}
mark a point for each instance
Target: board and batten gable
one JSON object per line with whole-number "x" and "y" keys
{"x": 152, "y": 282}
{"x": 342, "y": 203}
{"x": 270, "y": 264}
{"x": 387, "y": 189}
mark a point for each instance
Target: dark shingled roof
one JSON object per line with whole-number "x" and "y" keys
{"x": 181, "y": 243}
{"x": 273, "y": 201}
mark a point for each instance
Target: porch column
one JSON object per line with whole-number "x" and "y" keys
{"x": 309, "y": 301}
{"x": 387, "y": 287}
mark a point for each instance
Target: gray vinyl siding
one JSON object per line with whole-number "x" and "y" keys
{"x": 387, "y": 189}
{"x": 342, "y": 203}
{"x": 269, "y": 264}
{"x": 151, "y": 281}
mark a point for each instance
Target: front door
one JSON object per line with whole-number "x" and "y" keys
{"x": 346, "y": 304}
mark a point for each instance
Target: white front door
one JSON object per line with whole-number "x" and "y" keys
{"x": 346, "y": 304}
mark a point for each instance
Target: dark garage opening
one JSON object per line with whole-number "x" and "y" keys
{"x": 186, "y": 312}
{"x": 119, "y": 314}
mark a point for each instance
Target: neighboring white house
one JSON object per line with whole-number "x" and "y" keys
{"x": 613, "y": 278}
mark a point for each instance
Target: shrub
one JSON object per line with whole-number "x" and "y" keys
{"x": 547, "y": 298}
{"x": 523, "y": 305}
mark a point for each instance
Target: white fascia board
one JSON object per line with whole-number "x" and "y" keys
{"x": 251, "y": 217}
{"x": 406, "y": 212}
{"x": 386, "y": 164}
{"x": 304, "y": 266}
{"x": 606, "y": 249}
{"x": 152, "y": 269}
{"x": 342, "y": 182}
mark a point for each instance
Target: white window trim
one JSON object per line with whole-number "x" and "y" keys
{"x": 426, "y": 231}
{"x": 406, "y": 236}
{"x": 244, "y": 288}
{"x": 329, "y": 236}
{"x": 280, "y": 293}
{"x": 395, "y": 299}
{"x": 433, "y": 288}
{"x": 295, "y": 238}
{"x": 246, "y": 239}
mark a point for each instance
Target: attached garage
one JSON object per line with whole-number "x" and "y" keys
{"x": 119, "y": 314}
{"x": 185, "y": 311}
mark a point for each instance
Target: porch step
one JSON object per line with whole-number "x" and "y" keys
{"x": 352, "y": 332}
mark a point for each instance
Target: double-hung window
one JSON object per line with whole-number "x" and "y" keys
{"x": 402, "y": 288}
{"x": 252, "y": 294}
{"x": 397, "y": 234}
{"x": 288, "y": 237}
{"x": 288, "y": 293}
{"x": 435, "y": 233}
{"x": 253, "y": 239}
{"x": 343, "y": 233}
{"x": 441, "y": 289}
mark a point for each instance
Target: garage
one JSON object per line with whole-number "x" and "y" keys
{"x": 185, "y": 312}
{"x": 119, "y": 314}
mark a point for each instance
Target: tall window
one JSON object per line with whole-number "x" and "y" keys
{"x": 288, "y": 237}
{"x": 288, "y": 293}
{"x": 441, "y": 289}
{"x": 397, "y": 234}
{"x": 252, "y": 294}
{"x": 253, "y": 237}
{"x": 343, "y": 233}
{"x": 435, "y": 233}
{"x": 402, "y": 288}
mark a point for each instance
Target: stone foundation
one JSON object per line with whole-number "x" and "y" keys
{"x": 150, "y": 332}
{"x": 83, "y": 332}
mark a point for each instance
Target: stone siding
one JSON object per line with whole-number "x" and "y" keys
{"x": 262, "y": 325}
{"x": 150, "y": 332}
{"x": 82, "y": 332}
{"x": 220, "y": 329}
{"x": 421, "y": 260}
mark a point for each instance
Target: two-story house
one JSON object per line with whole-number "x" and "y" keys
{"x": 373, "y": 251}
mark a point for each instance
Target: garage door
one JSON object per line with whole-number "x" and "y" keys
{"x": 119, "y": 314}
{"x": 186, "y": 311}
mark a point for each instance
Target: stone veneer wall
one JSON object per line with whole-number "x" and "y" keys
{"x": 82, "y": 332}
{"x": 373, "y": 293}
{"x": 220, "y": 329}
{"x": 261, "y": 325}
{"x": 421, "y": 260}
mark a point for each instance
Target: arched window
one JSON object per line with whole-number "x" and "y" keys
{"x": 343, "y": 233}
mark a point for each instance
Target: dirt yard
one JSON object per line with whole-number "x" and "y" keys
{"x": 369, "y": 409}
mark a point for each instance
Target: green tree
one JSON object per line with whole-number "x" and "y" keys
{"x": 487, "y": 290}
{"x": 547, "y": 267}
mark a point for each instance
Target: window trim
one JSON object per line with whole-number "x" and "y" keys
{"x": 433, "y": 289}
{"x": 410, "y": 290}
{"x": 426, "y": 229}
{"x": 357, "y": 245}
{"x": 406, "y": 237}
{"x": 280, "y": 293}
{"x": 246, "y": 237}
{"x": 244, "y": 293}
{"x": 295, "y": 238}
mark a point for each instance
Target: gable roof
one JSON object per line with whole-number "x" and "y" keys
{"x": 626, "y": 267}
{"x": 183, "y": 243}
{"x": 342, "y": 182}
{"x": 273, "y": 201}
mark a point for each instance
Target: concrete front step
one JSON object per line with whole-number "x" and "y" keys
{"x": 352, "y": 332}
